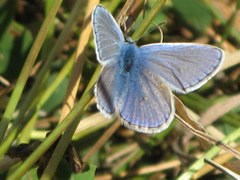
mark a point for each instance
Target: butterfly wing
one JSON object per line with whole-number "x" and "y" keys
{"x": 104, "y": 91}
{"x": 148, "y": 104}
{"x": 184, "y": 66}
{"x": 108, "y": 37}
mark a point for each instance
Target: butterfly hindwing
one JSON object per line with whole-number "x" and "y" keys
{"x": 148, "y": 104}
{"x": 104, "y": 90}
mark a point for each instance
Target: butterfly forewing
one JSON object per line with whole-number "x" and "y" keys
{"x": 108, "y": 37}
{"x": 148, "y": 104}
{"x": 184, "y": 66}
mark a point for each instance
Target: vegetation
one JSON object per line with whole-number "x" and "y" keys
{"x": 50, "y": 126}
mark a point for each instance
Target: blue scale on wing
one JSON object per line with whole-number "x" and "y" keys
{"x": 108, "y": 37}
{"x": 185, "y": 67}
{"x": 104, "y": 90}
{"x": 148, "y": 102}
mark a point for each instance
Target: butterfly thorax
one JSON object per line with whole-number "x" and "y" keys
{"x": 127, "y": 59}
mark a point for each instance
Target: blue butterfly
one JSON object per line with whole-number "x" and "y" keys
{"x": 135, "y": 82}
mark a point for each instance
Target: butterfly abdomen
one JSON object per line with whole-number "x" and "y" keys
{"x": 128, "y": 70}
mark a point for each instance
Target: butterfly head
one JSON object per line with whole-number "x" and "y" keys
{"x": 128, "y": 40}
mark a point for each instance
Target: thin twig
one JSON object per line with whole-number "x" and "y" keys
{"x": 108, "y": 133}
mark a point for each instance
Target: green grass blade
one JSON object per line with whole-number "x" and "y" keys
{"x": 17, "y": 92}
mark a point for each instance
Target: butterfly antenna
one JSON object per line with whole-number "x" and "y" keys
{"x": 156, "y": 26}
{"x": 160, "y": 29}
{"x": 122, "y": 17}
{"x": 122, "y": 14}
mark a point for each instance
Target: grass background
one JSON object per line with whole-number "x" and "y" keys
{"x": 42, "y": 91}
